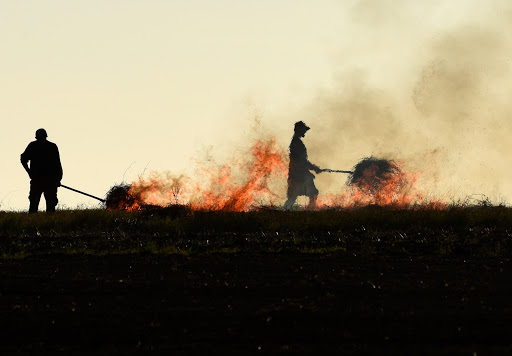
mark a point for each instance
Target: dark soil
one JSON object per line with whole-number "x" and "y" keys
{"x": 292, "y": 303}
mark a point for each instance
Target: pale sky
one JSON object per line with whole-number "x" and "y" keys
{"x": 127, "y": 87}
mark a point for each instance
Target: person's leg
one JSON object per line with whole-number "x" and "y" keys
{"x": 35, "y": 195}
{"x": 312, "y": 201}
{"x": 50, "y": 195}
{"x": 312, "y": 194}
{"x": 291, "y": 194}
{"x": 289, "y": 203}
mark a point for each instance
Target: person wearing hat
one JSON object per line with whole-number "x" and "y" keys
{"x": 45, "y": 171}
{"x": 300, "y": 179}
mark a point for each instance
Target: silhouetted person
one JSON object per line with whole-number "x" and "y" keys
{"x": 300, "y": 179}
{"x": 45, "y": 171}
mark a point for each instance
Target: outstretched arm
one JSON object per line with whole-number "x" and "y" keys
{"x": 314, "y": 167}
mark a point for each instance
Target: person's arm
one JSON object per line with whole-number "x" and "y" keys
{"x": 24, "y": 158}
{"x": 314, "y": 167}
{"x": 311, "y": 166}
{"x": 59, "y": 167}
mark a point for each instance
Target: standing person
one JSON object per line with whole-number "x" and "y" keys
{"x": 45, "y": 171}
{"x": 300, "y": 179}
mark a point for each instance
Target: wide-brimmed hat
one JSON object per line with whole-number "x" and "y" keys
{"x": 301, "y": 125}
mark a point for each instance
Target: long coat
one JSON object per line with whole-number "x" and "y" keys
{"x": 300, "y": 179}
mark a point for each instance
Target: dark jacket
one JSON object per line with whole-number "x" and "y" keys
{"x": 44, "y": 160}
{"x": 299, "y": 169}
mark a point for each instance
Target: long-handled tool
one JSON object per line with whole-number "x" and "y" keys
{"x": 336, "y": 171}
{"x": 78, "y": 191}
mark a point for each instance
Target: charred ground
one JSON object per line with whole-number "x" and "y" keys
{"x": 365, "y": 281}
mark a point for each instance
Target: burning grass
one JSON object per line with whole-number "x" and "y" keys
{"x": 242, "y": 185}
{"x": 256, "y": 180}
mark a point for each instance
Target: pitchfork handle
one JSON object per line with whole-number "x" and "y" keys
{"x": 78, "y": 191}
{"x": 336, "y": 171}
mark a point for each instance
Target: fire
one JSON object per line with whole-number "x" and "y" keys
{"x": 382, "y": 183}
{"x": 119, "y": 197}
{"x": 391, "y": 187}
{"x": 159, "y": 189}
{"x": 239, "y": 186}
{"x": 225, "y": 194}
{"x": 258, "y": 178}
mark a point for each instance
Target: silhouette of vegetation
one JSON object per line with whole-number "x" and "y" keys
{"x": 468, "y": 230}
{"x": 393, "y": 275}
{"x": 119, "y": 197}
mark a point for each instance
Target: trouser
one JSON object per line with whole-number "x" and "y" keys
{"x": 46, "y": 187}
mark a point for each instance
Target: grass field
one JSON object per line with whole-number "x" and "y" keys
{"x": 472, "y": 231}
{"x": 364, "y": 281}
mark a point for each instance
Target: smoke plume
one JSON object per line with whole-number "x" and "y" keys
{"x": 434, "y": 98}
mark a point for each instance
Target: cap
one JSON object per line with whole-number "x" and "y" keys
{"x": 41, "y": 133}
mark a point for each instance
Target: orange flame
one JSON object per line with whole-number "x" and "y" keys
{"x": 396, "y": 189}
{"x": 267, "y": 160}
{"x": 220, "y": 188}
{"x": 260, "y": 180}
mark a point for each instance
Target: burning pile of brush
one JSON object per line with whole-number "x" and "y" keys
{"x": 381, "y": 182}
{"x": 372, "y": 174}
{"x": 119, "y": 197}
